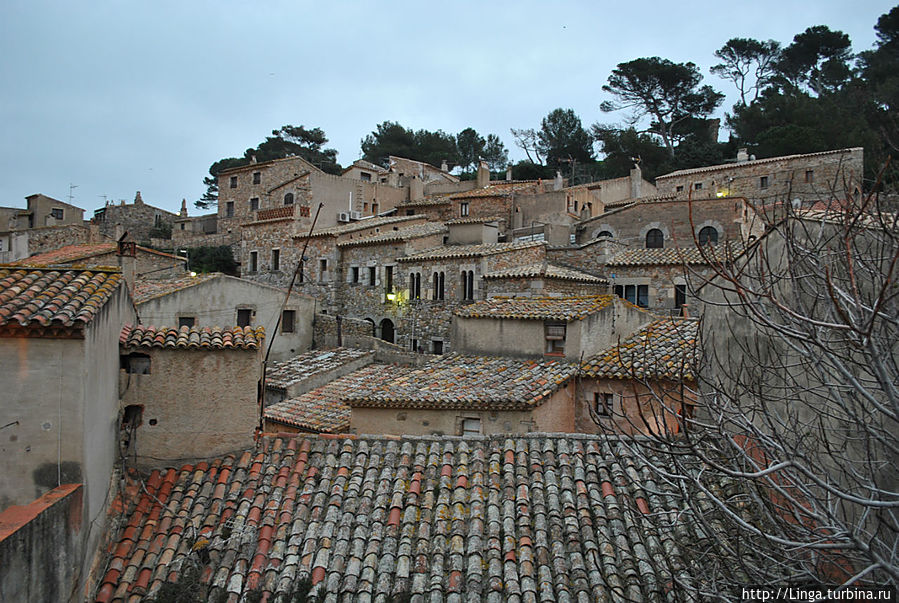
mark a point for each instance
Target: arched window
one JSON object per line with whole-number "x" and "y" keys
{"x": 708, "y": 235}
{"x": 605, "y": 233}
{"x": 655, "y": 239}
{"x": 288, "y": 199}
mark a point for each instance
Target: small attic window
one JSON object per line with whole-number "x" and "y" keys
{"x": 133, "y": 415}
{"x": 135, "y": 363}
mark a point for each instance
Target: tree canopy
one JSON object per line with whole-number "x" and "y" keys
{"x": 562, "y": 138}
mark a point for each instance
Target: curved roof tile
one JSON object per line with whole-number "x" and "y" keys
{"x": 217, "y": 338}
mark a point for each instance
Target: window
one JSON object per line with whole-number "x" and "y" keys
{"x": 414, "y": 346}
{"x": 437, "y": 292}
{"x": 471, "y": 427}
{"x": 233, "y": 182}
{"x": 554, "y": 333}
{"x": 655, "y": 239}
{"x": 463, "y": 209}
{"x": 643, "y": 296}
{"x": 135, "y": 364}
{"x": 257, "y": 177}
{"x": 354, "y": 274}
{"x": 288, "y": 199}
{"x": 288, "y": 321}
{"x": 364, "y": 176}
{"x": 468, "y": 284}
{"x": 697, "y": 186}
{"x": 437, "y": 346}
{"x": 372, "y": 276}
{"x": 619, "y": 291}
{"x": 254, "y": 203}
{"x": 415, "y": 286}
{"x": 680, "y": 296}
{"x": 57, "y": 213}
{"x": 182, "y": 226}
{"x": 133, "y": 415}
{"x": 708, "y": 235}
{"x": 187, "y": 321}
{"x": 604, "y": 233}
{"x": 229, "y": 209}
{"x": 602, "y": 403}
{"x": 254, "y": 261}
{"x": 388, "y": 279}
{"x": 410, "y": 212}
{"x": 244, "y": 317}
{"x": 809, "y": 176}
{"x": 679, "y": 188}
{"x": 276, "y": 260}
{"x": 374, "y": 209}
{"x": 763, "y": 182}
{"x": 322, "y": 271}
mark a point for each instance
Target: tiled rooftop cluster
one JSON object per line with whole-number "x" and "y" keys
{"x": 458, "y": 381}
{"x": 217, "y": 338}
{"x": 465, "y": 251}
{"x": 362, "y": 225}
{"x": 147, "y": 289}
{"x": 72, "y": 253}
{"x": 531, "y": 518}
{"x": 663, "y": 349}
{"x": 692, "y": 255}
{"x": 36, "y": 296}
{"x": 537, "y": 308}
{"x": 546, "y": 271}
{"x": 400, "y": 234}
{"x": 322, "y": 409}
{"x": 281, "y": 375}
{"x": 501, "y": 189}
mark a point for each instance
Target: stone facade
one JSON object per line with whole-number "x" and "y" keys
{"x": 137, "y": 219}
{"x": 543, "y": 286}
{"x": 808, "y": 177}
{"x": 632, "y": 407}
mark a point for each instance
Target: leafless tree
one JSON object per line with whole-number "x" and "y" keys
{"x": 788, "y": 468}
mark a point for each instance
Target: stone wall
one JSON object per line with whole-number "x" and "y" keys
{"x": 808, "y": 177}
{"x": 195, "y": 404}
{"x": 540, "y": 287}
{"x": 137, "y": 219}
{"x": 41, "y": 547}
{"x": 275, "y": 180}
{"x": 589, "y": 257}
{"x": 661, "y": 280}
{"x": 50, "y": 238}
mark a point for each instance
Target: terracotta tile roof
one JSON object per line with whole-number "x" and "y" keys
{"x": 274, "y": 213}
{"x": 147, "y": 289}
{"x": 217, "y": 338}
{"x": 674, "y": 255}
{"x": 43, "y": 297}
{"x": 71, "y": 254}
{"x": 359, "y": 225}
{"x": 501, "y": 189}
{"x": 457, "y": 381}
{"x": 755, "y": 162}
{"x": 663, "y": 349}
{"x": 365, "y": 165}
{"x": 401, "y": 234}
{"x": 474, "y": 220}
{"x": 281, "y": 375}
{"x": 322, "y": 409}
{"x": 637, "y": 201}
{"x": 536, "y": 517}
{"x": 537, "y": 308}
{"x": 546, "y": 271}
{"x": 467, "y": 251}
{"x": 427, "y": 201}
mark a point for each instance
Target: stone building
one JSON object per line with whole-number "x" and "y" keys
{"x": 644, "y": 384}
{"x": 568, "y": 328}
{"x": 47, "y": 211}
{"x": 45, "y": 224}
{"x": 365, "y": 171}
{"x": 141, "y": 221}
{"x": 808, "y": 177}
{"x": 468, "y": 395}
{"x": 135, "y": 262}
{"x": 188, "y": 393}
{"x": 543, "y": 280}
{"x": 59, "y": 332}
{"x": 211, "y": 300}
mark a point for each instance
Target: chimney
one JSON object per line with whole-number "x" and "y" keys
{"x": 509, "y": 173}
{"x": 636, "y": 182}
{"x": 443, "y": 166}
{"x": 253, "y": 158}
{"x": 183, "y": 212}
{"x": 557, "y": 181}
{"x": 416, "y": 189}
{"x": 483, "y": 174}
{"x": 137, "y": 199}
{"x": 742, "y": 155}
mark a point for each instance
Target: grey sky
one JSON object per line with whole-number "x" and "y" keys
{"x": 117, "y": 97}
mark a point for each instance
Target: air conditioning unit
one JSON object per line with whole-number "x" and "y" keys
{"x": 343, "y": 216}
{"x": 356, "y": 215}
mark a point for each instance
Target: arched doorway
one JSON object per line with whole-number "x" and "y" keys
{"x": 374, "y": 328}
{"x": 387, "y": 330}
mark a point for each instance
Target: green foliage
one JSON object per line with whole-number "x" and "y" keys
{"x": 818, "y": 58}
{"x": 624, "y": 148}
{"x": 470, "y": 146}
{"x": 390, "y": 138}
{"x": 748, "y": 63}
{"x": 562, "y": 138}
{"x": 668, "y": 93}
{"x": 495, "y": 154}
{"x": 212, "y": 259}
{"x": 528, "y": 170}
{"x": 188, "y": 589}
{"x": 302, "y": 592}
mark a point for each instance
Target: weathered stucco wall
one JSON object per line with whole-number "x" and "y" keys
{"x": 637, "y": 408}
{"x": 41, "y": 545}
{"x": 196, "y": 403}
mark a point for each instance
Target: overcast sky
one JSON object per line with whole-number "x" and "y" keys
{"x": 116, "y": 97}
